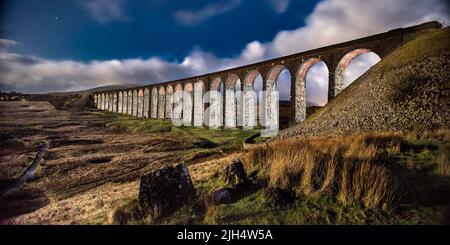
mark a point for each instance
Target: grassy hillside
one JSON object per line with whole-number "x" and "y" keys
{"x": 386, "y": 178}
{"x": 407, "y": 90}
{"x": 376, "y": 154}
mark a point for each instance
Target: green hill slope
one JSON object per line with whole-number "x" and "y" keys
{"x": 408, "y": 90}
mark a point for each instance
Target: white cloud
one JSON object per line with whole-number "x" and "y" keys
{"x": 106, "y": 11}
{"x": 6, "y": 43}
{"x": 193, "y": 17}
{"x": 279, "y": 6}
{"x": 332, "y": 21}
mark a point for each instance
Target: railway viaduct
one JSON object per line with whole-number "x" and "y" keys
{"x": 158, "y": 100}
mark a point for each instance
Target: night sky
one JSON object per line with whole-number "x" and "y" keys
{"x": 67, "y": 45}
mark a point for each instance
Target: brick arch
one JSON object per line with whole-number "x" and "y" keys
{"x": 300, "y": 88}
{"x": 275, "y": 71}
{"x": 342, "y": 66}
{"x": 231, "y": 81}
{"x": 250, "y": 77}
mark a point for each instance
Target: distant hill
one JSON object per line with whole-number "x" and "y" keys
{"x": 110, "y": 87}
{"x": 407, "y": 90}
{"x": 97, "y": 89}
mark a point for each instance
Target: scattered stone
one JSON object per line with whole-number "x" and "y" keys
{"x": 278, "y": 196}
{"x": 164, "y": 191}
{"x": 222, "y": 195}
{"x": 234, "y": 173}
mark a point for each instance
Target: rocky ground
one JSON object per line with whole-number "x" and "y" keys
{"x": 407, "y": 90}
{"x": 87, "y": 168}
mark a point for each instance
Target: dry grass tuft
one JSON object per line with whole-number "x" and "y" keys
{"x": 351, "y": 168}
{"x": 127, "y": 212}
{"x": 212, "y": 214}
{"x": 443, "y": 166}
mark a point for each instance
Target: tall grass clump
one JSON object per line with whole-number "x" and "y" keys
{"x": 350, "y": 169}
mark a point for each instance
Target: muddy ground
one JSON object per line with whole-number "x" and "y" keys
{"x": 88, "y": 168}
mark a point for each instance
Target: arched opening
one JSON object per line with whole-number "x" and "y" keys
{"x": 169, "y": 101}
{"x": 230, "y": 101}
{"x": 346, "y": 73}
{"x": 125, "y": 102}
{"x": 216, "y": 104}
{"x": 140, "y": 103}
{"x": 187, "y": 104}
{"x": 311, "y": 88}
{"x": 154, "y": 103}
{"x": 130, "y": 103}
{"x": 199, "y": 90}
{"x": 278, "y": 115}
{"x": 161, "y": 102}
{"x": 358, "y": 66}
{"x": 146, "y": 106}
{"x": 135, "y": 103}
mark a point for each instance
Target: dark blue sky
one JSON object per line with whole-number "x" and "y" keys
{"x": 66, "y": 29}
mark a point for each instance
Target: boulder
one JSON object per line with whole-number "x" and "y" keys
{"x": 222, "y": 195}
{"x": 234, "y": 173}
{"x": 164, "y": 191}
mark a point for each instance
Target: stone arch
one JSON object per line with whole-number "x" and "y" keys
{"x": 130, "y": 103}
{"x": 199, "y": 90}
{"x": 169, "y": 101}
{"x": 359, "y": 65}
{"x": 187, "y": 104}
{"x": 338, "y": 85}
{"x": 135, "y": 103}
{"x": 230, "y": 101}
{"x": 146, "y": 106}
{"x": 249, "y": 108}
{"x": 177, "y": 112}
{"x": 119, "y": 103}
{"x": 216, "y": 104}
{"x": 300, "y": 88}
{"x": 125, "y": 102}
{"x": 140, "y": 103}
{"x": 154, "y": 103}
{"x": 161, "y": 102}
{"x": 270, "y": 106}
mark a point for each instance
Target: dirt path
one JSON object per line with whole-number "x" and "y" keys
{"x": 84, "y": 159}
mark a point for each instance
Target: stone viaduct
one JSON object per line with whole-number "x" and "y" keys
{"x": 157, "y": 100}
